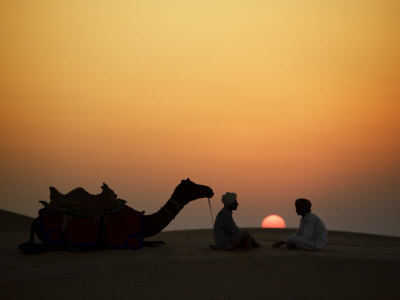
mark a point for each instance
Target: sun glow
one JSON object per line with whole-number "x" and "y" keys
{"x": 253, "y": 96}
{"x": 273, "y": 221}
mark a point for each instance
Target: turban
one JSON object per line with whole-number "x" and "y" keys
{"x": 229, "y": 198}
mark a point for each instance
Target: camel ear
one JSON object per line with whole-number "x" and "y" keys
{"x": 104, "y": 186}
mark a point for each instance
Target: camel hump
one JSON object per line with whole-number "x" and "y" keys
{"x": 78, "y": 193}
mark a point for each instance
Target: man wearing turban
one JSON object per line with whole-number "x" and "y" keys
{"x": 311, "y": 234}
{"x": 227, "y": 235}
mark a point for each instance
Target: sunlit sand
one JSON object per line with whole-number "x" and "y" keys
{"x": 353, "y": 266}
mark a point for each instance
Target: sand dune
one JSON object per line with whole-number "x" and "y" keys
{"x": 354, "y": 266}
{"x": 13, "y": 222}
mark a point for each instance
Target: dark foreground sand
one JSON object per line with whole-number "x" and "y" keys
{"x": 354, "y": 266}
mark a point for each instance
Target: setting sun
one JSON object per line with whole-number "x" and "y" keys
{"x": 273, "y": 221}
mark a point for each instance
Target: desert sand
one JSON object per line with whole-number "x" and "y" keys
{"x": 353, "y": 266}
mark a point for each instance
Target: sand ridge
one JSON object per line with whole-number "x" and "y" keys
{"x": 354, "y": 266}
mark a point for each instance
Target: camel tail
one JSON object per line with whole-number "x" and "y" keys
{"x": 31, "y": 247}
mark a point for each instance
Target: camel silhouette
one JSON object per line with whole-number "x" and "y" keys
{"x": 79, "y": 221}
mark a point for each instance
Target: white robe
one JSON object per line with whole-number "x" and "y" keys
{"x": 312, "y": 233}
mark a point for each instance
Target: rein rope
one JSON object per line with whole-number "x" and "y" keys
{"x": 180, "y": 206}
{"x": 212, "y": 217}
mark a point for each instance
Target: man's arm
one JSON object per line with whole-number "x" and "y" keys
{"x": 308, "y": 229}
{"x": 285, "y": 241}
{"x": 230, "y": 226}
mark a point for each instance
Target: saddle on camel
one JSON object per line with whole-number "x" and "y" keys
{"x": 82, "y": 221}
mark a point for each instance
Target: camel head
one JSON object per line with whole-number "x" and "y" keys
{"x": 188, "y": 191}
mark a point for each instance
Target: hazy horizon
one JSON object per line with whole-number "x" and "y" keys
{"x": 273, "y": 100}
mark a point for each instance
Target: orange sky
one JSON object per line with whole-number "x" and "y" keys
{"x": 273, "y": 100}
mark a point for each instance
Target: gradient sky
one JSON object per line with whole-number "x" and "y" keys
{"x": 271, "y": 99}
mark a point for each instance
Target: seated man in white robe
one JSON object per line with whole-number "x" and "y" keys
{"x": 227, "y": 235}
{"x": 311, "y": 234}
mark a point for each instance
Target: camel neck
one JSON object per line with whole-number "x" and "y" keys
{"x": 172, "y": 207}
{"x": 156, "y": 222}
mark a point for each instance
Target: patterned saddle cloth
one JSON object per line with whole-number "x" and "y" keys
{"x": 122, "y": 229}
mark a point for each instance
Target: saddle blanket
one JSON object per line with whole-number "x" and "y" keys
{"x": 119, "y": 230}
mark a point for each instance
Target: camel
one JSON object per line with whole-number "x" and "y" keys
{"x": 79, "y": 221}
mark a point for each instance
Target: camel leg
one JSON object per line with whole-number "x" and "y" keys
{"x": 33, "y": 228}
{"x": 153, "y": 243}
